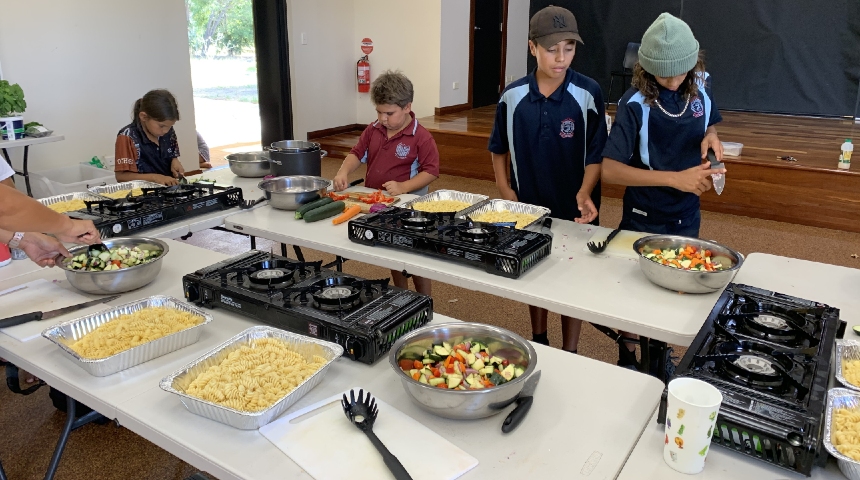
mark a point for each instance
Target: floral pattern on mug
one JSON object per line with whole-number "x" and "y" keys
{"x": 679, "y": 442}
{"x": 712, "y": 416}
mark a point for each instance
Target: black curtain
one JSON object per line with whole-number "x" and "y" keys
{"x": 781, "y": 56}
{"x": 273, "y": 70}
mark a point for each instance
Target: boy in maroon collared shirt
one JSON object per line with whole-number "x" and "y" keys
{"x": 400, "y": 154}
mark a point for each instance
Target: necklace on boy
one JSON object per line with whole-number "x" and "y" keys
{"x": 673, "y": 115}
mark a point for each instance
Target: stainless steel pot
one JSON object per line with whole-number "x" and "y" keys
{"x": 117, "y": 281}
{"x": 291, "y": 192}
{"x": 464, "y": 404}
{"x": 687, "y": 281}
{"x": 249, "y": 164}
{"x": 296, "y": 157}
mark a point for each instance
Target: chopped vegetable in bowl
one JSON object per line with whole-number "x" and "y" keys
{"x": 117, "y": 258}
{"x": 466, "y": 366}
{"x": 687, "y": 258}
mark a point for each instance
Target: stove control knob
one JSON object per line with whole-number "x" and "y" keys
{"x": 353, "y": 348}
{"x": 192, "y": 293}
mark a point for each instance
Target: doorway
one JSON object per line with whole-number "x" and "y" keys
{"x": 224, "y": 76}
{"x": 488, "y": 44}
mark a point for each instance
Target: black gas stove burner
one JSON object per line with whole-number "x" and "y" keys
{"x": 155, "y": 207}
{"x": 769, "y": 354}
{"x": 499, "y": 249}
{"x": 366, "y": 317}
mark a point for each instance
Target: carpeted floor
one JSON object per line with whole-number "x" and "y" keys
{"x": 30, "y": 425}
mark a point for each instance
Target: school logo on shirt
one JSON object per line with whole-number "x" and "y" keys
{"x": 566, "y": 128}
{"x": 697, "y": 108}
{"x": 402, "y": 150}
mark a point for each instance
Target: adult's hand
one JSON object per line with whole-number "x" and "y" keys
{"x": 42, "y": 249}
{"x": 696, "y": 179}
{"x": 586, "y": 208}
{"x": 176, "y": 168}
{"x": 80, "y": 231}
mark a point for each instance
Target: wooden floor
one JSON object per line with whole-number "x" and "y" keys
{"x": 810, "y": 191}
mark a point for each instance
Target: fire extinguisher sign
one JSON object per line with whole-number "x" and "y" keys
{"x": 366, "y": 46}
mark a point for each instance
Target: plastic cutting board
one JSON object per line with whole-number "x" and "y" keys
{"x": 328, "y": 447}
{"x": 621, "y": 246}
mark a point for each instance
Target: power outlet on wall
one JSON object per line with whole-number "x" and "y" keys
{"x": 456, "y": 85}
{"x": 304, "y": 37}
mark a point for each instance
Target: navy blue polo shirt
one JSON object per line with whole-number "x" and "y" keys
{"x": 643, "y": 136}
{"x": 135, "y": 152}
{"x": 551, "y": 140}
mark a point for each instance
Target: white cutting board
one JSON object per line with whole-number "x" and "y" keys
{"x": 621, "y": 246}
{"x": 329, "y": 447}
{"x": 40, "y": 295}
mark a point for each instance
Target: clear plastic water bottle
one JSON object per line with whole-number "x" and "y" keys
{"x": 845, "y": 157}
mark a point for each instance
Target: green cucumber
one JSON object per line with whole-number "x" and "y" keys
{"x": 312, "y": 205}
{"x": 325, "y": 211}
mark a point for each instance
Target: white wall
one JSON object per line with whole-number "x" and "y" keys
{"x": 405, "y": 38}
{"x": 83, "y": 64}
{"x": 322, "y": 72}
{"x": 454, "y": 52}
{"x": 518, "y": 39}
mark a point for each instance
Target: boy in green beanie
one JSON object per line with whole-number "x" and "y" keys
{"x": 663, "y": 129}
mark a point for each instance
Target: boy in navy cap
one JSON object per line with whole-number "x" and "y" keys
{"x": 549, "y": 132}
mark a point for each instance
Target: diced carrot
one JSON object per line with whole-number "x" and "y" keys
{"x": 459, "y": 357}
{"x": 442, "y": 385}
{"x": 417, "y": 364}
{"x": 435, "y": 371}
{"x": 416, "y": 375}
{"x": 657, "y": 252}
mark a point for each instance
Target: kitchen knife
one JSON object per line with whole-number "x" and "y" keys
{"x": 524, "y": 403}
{"x": 29, "y": 317}
{"x": 718, "y": 178}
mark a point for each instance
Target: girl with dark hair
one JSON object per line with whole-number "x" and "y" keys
{"x": 147, "y": 148}
{"x": 658, "y": 145}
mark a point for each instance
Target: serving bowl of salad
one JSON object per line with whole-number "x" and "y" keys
{"x": 686, "y": 264}
{"x": 467, "y": 370}
{"x": 129, "y": 263}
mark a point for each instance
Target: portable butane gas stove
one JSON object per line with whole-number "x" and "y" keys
{"x": 366, "y": 317}
{"x": 500, "y": 250}
{"x": 156, "y": 207}
{"x": 769, "y": 354}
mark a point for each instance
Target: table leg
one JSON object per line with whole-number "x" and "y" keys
{"x": 299, "y": 255}
{"x": 644, "y": 355}
{"x": 26, "y": 171}
{"x": 71, "y": 424}
{"x": 337, "y": 263}
{"x": 253, "y": 242}
{"x": 284, "y": 250}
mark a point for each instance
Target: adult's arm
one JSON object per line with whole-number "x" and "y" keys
{"x": 21, "y": 213}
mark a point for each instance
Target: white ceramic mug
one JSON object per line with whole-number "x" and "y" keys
{"x": 691, "y": 415}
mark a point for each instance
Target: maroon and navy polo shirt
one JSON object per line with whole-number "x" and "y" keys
{"x": 398, "y": 158}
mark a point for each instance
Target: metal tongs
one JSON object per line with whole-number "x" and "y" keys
{"x": 718, "y": 178}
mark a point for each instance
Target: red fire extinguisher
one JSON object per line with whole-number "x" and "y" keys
{"x": 363, "y": 74}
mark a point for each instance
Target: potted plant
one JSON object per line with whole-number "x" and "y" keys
{"x": 12, "y": 105}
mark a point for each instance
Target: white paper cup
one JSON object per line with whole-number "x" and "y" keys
{"x": 691, "y": 414}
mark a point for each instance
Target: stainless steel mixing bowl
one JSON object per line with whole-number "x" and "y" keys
{"x": 464, "y": 404}
{"x": 249, "y": 164}
{"x": 687, "y": 281}
{"x": 117, "y": 281}
{"x": 290, "y": 193}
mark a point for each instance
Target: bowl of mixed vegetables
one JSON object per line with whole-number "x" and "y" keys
{"x": 128, "y": 264}
{"x": 686, "y": 264}
{"x": 462, "y": 370}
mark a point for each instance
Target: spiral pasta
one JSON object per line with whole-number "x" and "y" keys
{"x": 522, "y": 219}
{"x": 254, "y": 377}
{"x": 846, "y": 432}
{"x": 851, "y": 371}
{"x": 68, "y": 206}
{"x": 133, "y": 329}
{"x": 435, "y": 206}
{"x": 123, "y": 193}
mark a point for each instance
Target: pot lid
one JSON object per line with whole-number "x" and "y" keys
{"x": 295, "y": 146}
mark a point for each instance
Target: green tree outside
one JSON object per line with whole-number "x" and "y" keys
{"x": 227, "y": 25}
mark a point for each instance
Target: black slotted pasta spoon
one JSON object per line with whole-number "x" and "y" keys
{"x": 362, "y": 412}
{"x": 601, "y": 246}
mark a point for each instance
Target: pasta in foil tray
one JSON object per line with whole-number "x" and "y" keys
{"x": 253, "y": 378}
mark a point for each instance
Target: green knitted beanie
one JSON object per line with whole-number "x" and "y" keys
{"x": 668, "y": 47}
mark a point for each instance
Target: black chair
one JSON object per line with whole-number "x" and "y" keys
{"x": 631, "y": 56}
